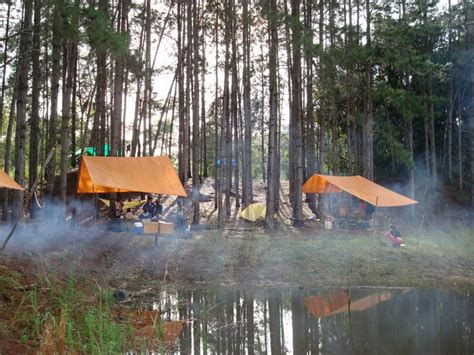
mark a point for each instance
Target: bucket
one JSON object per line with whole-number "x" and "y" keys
{"x": 138, "y": 227}
{"x": 327, "y": 225}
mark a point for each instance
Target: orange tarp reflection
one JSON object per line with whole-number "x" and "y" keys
{"x": 365, "y": 302}
{"x": 8, "y": 182}
{"x": 335, "y": 303}
{"x": 357, "y": 186}
{"x": 125, "y": 174}
{"x": 322, "y": 306}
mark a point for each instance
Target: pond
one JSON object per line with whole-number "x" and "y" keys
{"x": 303, "y": 321}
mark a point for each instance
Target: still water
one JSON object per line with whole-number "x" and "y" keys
{"x": 303, "y": 321}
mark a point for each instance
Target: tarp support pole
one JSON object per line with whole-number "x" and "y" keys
{"x": 94, "y": 204}
{"x": 375, "y": 211}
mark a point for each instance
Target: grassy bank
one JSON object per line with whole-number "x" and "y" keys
{"x": 309, "y": 257}
{"x": 54, "y": 315}
{"x": 328, "y": 258}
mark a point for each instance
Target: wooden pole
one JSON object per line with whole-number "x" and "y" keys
{"x": 375, "y": 211}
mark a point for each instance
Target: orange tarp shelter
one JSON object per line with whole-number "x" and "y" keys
{"x": 8, "y": 182}
{"x": 129, "y": 174}
{"x": 357, "y": 186}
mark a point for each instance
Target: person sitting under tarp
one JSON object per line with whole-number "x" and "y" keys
{"x": 130, "y": 216}
{"x": 159, "y": 207}
{"x": 149, "y": 209}
{"x": 394, "y": 237}
{"x": 116, "y": 208}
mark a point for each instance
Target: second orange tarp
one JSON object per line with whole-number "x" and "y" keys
{"x": 357, "y": 186}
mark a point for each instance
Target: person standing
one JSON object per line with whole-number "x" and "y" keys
{"x": 181, "y": 225}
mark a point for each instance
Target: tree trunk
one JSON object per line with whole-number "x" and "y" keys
{"x": 262, "y": 111}
{"x": 291, "y": 151}
{"x": 116, "y": 121}
{"x": 228, "y": 111}
{"x": 182, "y": 165}
{"x": 123, "y": 139}
{"x": 434, "y": 169}
{"x": 350, "y": 99}
{"x": 471, "y": 132}
{"x": 451, "y": 98}
{"x": 55, "y": 72}
{"x": 100, "y": 118}
{"x": 311, "y": 133}
{"x": 322, "y": 155}
{"x": 460, "y": 160}
{"x": 70, "y": 65}
{"x": 204, "y": 166}
{"x": 331, "y": 71}
{"x": 35, "y": 100}
{"x": 21, "y": 105}
{"x": 449, "y": 123}
{"x": 196, "y": 144}
{"x": 247, "y": 190}
{"x": 411, "y": 167}
{"x": 272, "y": 193}
{"x": 188, "y": 92}
{"x": 137, "y": 117}
{"x": 8, "y": 145}
{"x": 369, "y": 120}
{"x": 234, "y": 110}
{"x": 427, "y": 145}
{"x": 4, "y": 66}
{"x": 470, "y": 41}
{"x": 295, "y": 153}
{"x": 147, "y": 101}
{"x": 74, "y": 115}
{"x": 217, "y": 116}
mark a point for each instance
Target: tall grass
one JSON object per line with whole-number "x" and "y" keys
{"x": 66, "y": 317}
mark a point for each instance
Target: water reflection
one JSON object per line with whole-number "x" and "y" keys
{"x": 273, "y": 321}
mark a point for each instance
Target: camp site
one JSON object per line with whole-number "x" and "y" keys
{"x": 237, "y": 177}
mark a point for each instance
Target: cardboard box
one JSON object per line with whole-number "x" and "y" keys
{"x": 150, "y": 227}
{"x": 166, "y": 228}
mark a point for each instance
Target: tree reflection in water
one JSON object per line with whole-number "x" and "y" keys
{"x": 279, "y": 321}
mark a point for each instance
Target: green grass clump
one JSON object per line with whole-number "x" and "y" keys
{"x": 66, "y": 316}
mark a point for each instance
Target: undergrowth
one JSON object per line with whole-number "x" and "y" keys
{"x": 62, "y": 316}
